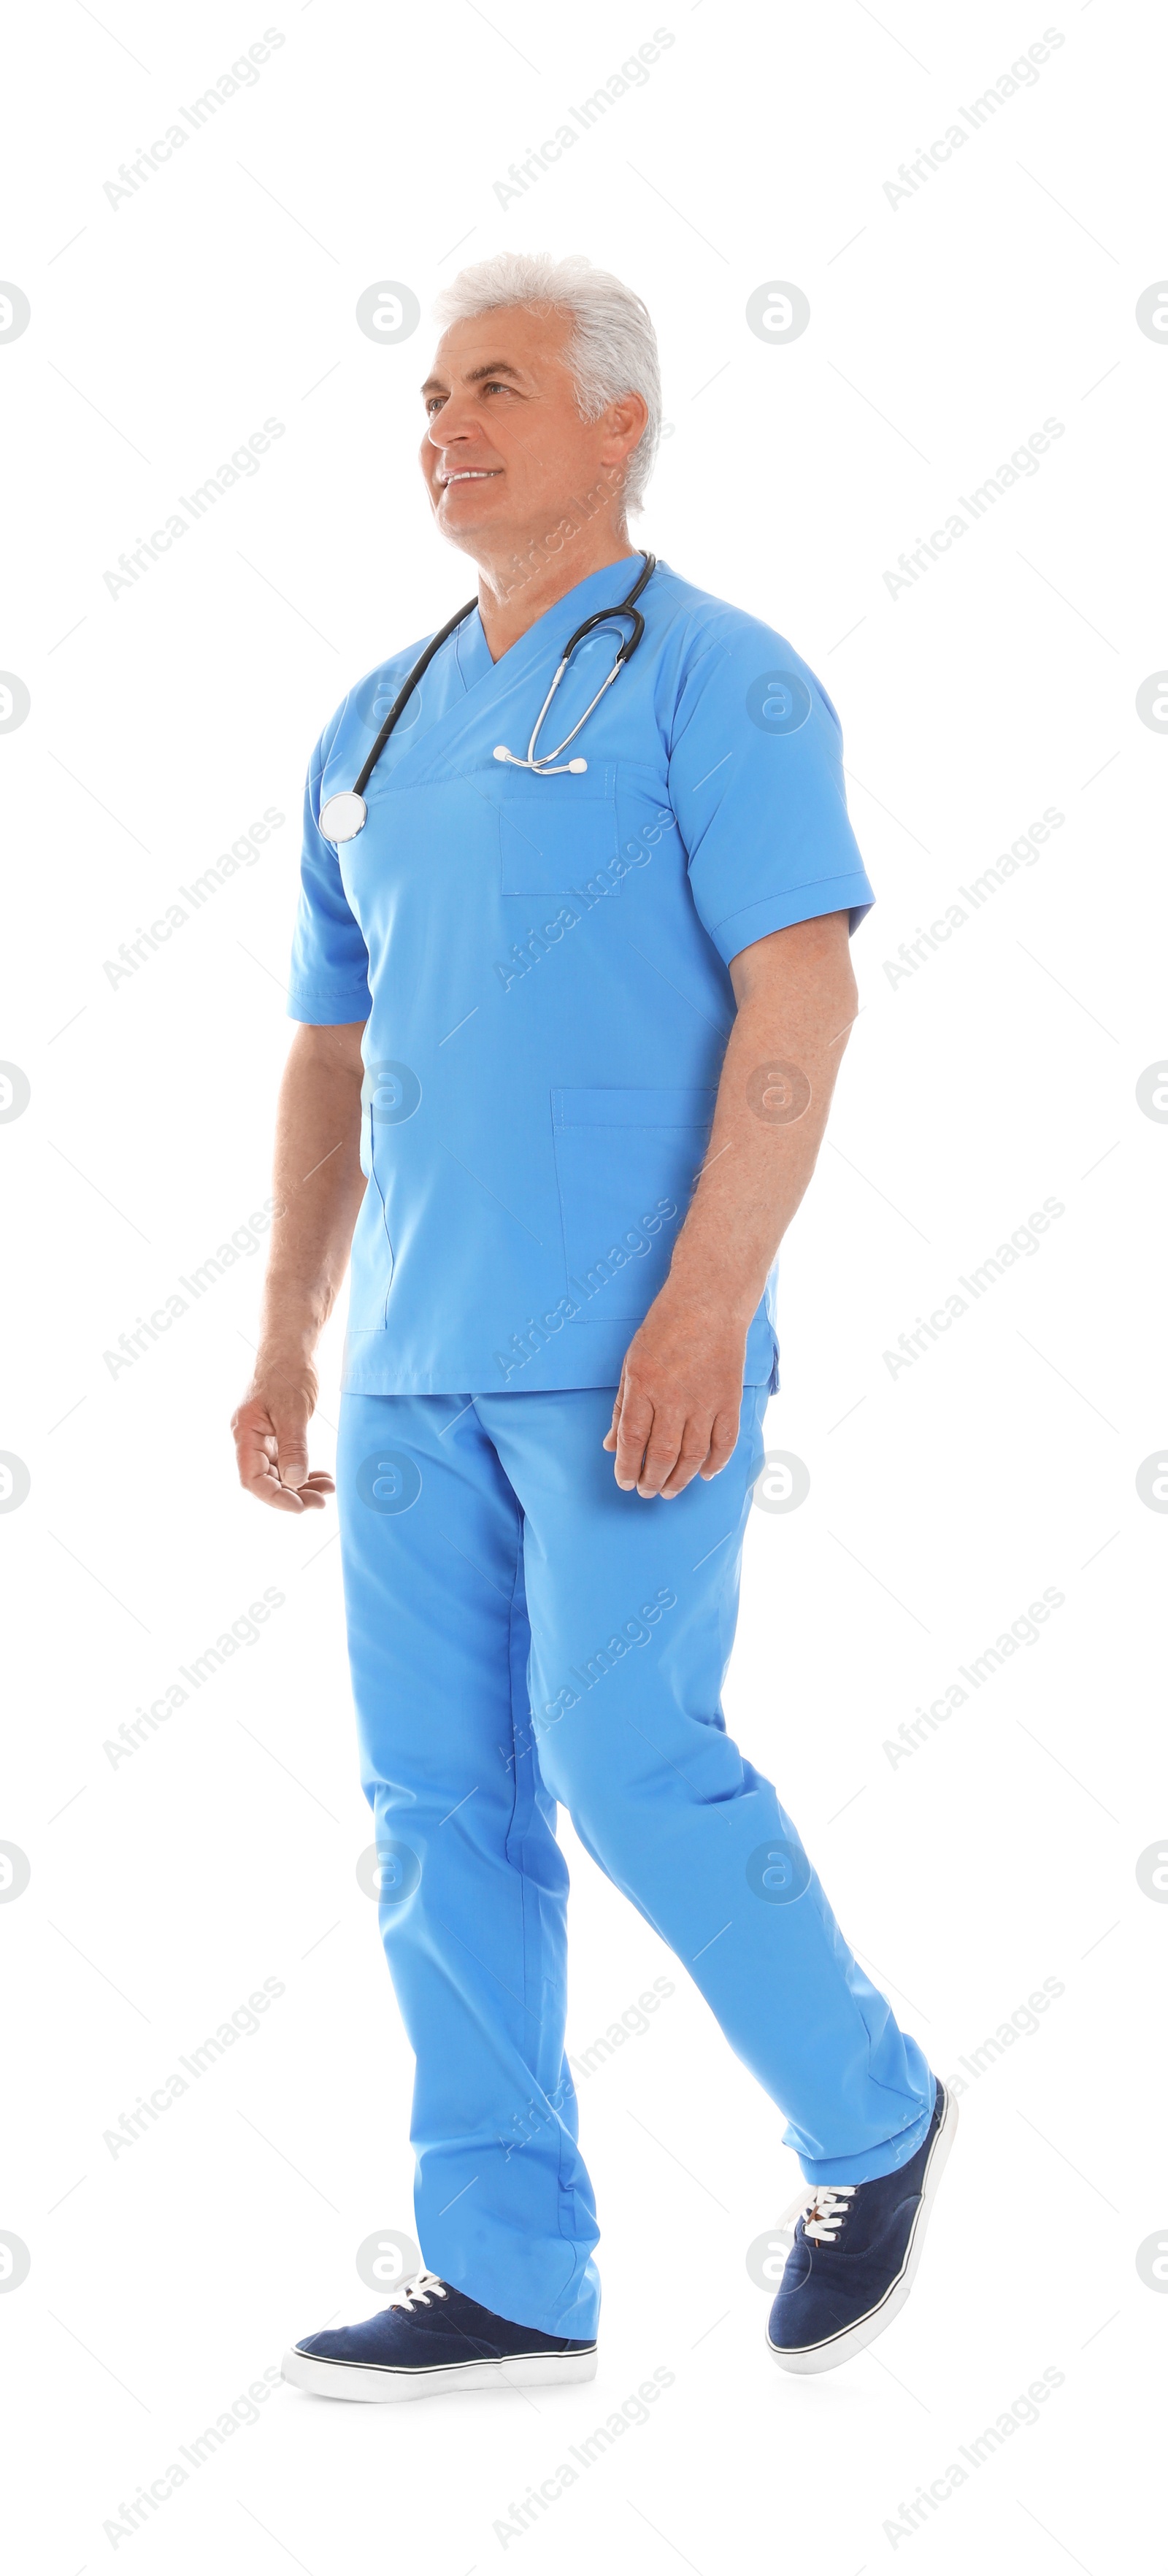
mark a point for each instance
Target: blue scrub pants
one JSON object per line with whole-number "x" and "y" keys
{"x": 521, "y": 1632}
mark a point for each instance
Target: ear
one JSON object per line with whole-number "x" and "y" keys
{"x": 625, "y": 423}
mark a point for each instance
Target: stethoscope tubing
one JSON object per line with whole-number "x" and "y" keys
{"x": 545, "y": 765}
{"x": 541, "y": 767}
{"x": 406, "y": 692}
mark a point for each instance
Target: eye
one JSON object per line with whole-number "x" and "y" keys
{"x": 433, "y": 403}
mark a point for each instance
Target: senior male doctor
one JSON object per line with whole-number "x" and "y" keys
{"x": 572, "y": 999}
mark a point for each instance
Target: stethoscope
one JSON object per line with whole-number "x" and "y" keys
{"x": 344, "y": 815}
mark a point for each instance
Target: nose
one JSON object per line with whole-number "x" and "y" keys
{"x": 452, "y": 425}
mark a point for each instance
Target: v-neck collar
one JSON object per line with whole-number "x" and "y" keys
{"x": 487, "y": 683}
{"x": 573, "y": 607}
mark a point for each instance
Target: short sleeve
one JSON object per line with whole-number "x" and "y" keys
{"x": 757, "y": 785}
{"x": 329, "y": 983}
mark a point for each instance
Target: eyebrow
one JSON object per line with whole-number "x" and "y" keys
{"x": 499, "y": 367}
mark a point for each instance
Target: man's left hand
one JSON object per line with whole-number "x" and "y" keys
{"x": 678, "y": 1402}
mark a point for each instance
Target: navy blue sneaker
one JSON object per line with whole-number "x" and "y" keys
{"x": 855, "y": 2255}
{"x": 430, "y": 2338}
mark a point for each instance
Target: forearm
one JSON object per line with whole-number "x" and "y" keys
{"x": 772, "y": 1111}
{"x": 318, "y": 1186}
{"x": 678, "y": 1404}
{"x": 778, "y": 1074}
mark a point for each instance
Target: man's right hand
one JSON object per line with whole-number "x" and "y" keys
{"x": 318, "y": 1186}
{"x": 270, "y": 1429}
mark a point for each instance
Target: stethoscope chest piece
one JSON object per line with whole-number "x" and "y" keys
{"x": 343, "y": 816}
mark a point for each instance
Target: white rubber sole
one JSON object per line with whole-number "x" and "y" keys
{"x": 842, "y": 2347}
{"x": 376, "y": 2387}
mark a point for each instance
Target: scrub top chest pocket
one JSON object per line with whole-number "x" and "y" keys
{"x": 626, "y": 1163}
{"x": 554, "y": 833}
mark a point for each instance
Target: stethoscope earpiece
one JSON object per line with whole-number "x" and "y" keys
{"x": 577, "y": 767}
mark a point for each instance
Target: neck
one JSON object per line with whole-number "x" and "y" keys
{"x": 520, "y": 582}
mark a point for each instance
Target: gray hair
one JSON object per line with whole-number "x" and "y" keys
{"x": 613, "y": 347}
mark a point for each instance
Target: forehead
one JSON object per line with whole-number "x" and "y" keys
{"x": 518, "y": 339}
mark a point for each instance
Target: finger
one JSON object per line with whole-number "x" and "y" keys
{"x": 661, "y": 1452}
{"x": 636, "y": 1423}
{"x": 691, "y": 1460}
{"x": 255, "y": 1451}
{"x": 267, "y": 1488}
{"x": 311, "y": 1496}
{"x": 280, "y": 1498}
{"x": 291, "y": 1429}
{"x": 723, "y": 1442}
{"x": 257, "y": 1445}
{"x": 611, "y": 1435}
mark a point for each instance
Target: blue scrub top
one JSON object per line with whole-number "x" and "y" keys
{"x": 542, "y": 966}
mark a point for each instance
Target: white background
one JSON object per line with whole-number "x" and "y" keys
{"x": 1002, "y": 1852}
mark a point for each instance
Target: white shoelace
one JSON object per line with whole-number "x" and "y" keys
{"x": 419, "y": 2290}
{"x": 823, "y": 2212}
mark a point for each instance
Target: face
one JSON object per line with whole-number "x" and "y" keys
{"x": 505, "y": 451}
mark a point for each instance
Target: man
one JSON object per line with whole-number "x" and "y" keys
{"x": 570, "y": 1022}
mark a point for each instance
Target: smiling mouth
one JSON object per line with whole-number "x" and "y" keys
{"x": 483, "y": 474}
